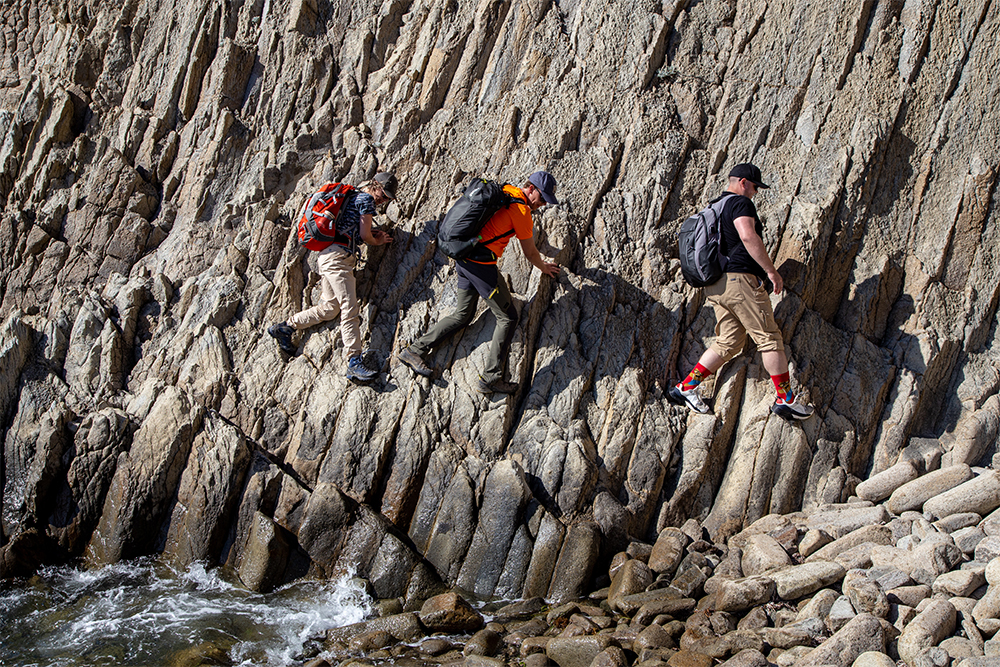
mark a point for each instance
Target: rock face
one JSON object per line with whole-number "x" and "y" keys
{"x": 152, "y": 162}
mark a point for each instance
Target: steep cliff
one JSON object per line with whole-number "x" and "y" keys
{"x": 153, "y": 158}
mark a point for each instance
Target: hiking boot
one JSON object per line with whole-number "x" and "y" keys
{"x": 415, "y": 362}
{"x": 357, "y": 371}
{"x": 499, "y": 386}
{"x": 792, "y": 410}
{"x": 283, "y": 333}
{"x": 690, "y": 398}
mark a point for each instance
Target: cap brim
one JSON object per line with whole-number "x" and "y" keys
{"x": 549, "y": 199}
{"x": 762, "y": 186}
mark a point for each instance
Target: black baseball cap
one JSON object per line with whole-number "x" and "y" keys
{"x": 749, "y": 172}
{"x": 546, "y": 184}
{"x": 388, "y": 183}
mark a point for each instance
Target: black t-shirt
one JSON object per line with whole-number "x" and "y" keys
{"x": 740, "y": 261}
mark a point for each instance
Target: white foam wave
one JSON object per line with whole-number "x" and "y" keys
{"x": 143, "y": 611}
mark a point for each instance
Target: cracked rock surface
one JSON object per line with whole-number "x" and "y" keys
{"x": 153, "y": 157}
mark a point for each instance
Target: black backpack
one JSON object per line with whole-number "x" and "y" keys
{"x": 702, "y": 261}
{"x": 458, "y": 233}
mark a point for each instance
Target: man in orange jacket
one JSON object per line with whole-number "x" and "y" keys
{"x": 478, "y": 276}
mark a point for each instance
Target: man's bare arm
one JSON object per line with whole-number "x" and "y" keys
{"x": 755, "y": 246}
{"x": 535, "y": 257}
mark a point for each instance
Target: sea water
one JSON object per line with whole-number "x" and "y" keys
{"x": 146, "y": 613}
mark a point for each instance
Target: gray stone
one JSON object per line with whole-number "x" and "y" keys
{"x": 862, "y": 634}
{"x": 880, "y": 486}
{"x": 575, "y": 563}
{"x": 818, "y": 606}
{"x": 967, "y": 539}
{"x": 988, "y": 548}
{"x": 873, "y": 659}
{"x": 746, "y": 658}
{"x": 843, "y": 521}
{"x": 797, "y": 581}
{"x": 866, "y": 596}
{"x": 761, "y": 554}
{"x": 913, "y": 495}
{"x": 935, "y": 622}
{"x": 959, "y": 583}
{"x": 863, "y": 535}
{"x": 980, "y": 495}
{"x": 403, "y": 627}
{"x": 576, "y": 651}
{"x": 841, "y": 613}
{"x": 812, "y": 541}
{"x": 982, "y": 661}
{"x": 742, "y": 594}
{"x": 909, "y": 595}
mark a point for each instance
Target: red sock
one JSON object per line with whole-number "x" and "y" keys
{"x": 694, "y": 378}
{"x": 783, "y": 385}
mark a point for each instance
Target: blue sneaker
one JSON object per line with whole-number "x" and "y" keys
{"x": 357, "y": 371}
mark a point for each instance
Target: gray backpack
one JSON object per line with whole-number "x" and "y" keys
{"x": 702, "y": 261}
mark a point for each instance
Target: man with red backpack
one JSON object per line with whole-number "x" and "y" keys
{"x": 741, "y": 302}
{"x": 336, "y": 267}
{"x": 478, "y": 276}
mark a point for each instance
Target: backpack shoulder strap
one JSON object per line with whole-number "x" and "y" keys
{"x": 508, "y": 200}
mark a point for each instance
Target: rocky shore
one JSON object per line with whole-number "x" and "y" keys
{"x": 154, "y": 157}
{"x": 907, "y": 572}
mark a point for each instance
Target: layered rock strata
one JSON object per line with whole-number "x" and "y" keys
{"x": 154, "y": 156}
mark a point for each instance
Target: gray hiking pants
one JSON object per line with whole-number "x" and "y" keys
{"x": 474, "y": 281}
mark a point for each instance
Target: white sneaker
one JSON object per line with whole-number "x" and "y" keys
{"x": 690, "y": 398}
{"x": 792, "y": 410}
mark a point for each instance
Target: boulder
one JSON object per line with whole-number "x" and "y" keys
{"x": 862, "y": 634}
{"x": 449, "y": 612}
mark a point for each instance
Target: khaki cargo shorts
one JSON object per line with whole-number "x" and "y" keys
{"x": 742, "y": 307}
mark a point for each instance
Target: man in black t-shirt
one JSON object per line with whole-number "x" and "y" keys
{"x": 741, "y": 302}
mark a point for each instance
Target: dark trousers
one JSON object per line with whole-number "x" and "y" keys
{"x": 474, "y": 281}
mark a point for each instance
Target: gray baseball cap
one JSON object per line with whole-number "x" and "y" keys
{"x": 546, "y": 184}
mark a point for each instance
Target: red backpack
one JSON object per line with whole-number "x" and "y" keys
{"x": 318, "y": 219}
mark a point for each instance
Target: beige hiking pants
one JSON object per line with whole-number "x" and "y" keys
{"x": 339, "y": 296}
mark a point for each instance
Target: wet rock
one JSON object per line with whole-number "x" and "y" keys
{"x": 633, "y": 577}
{"x": 668, "y": 551}
{"x": 653, "y": 637}
{"x": 403, "y": 627}
{"x": 449, "y": 612}
{"x": 262, "y": 564}
{"x": 576, "y": 651}
{"x": 485, "y": 642}
{"x": 613, "y": 656}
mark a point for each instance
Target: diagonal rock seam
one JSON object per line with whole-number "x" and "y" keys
{"x": 149, "y": 181}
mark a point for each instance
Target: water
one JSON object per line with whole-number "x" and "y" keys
{"x": 145, "y": 613}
